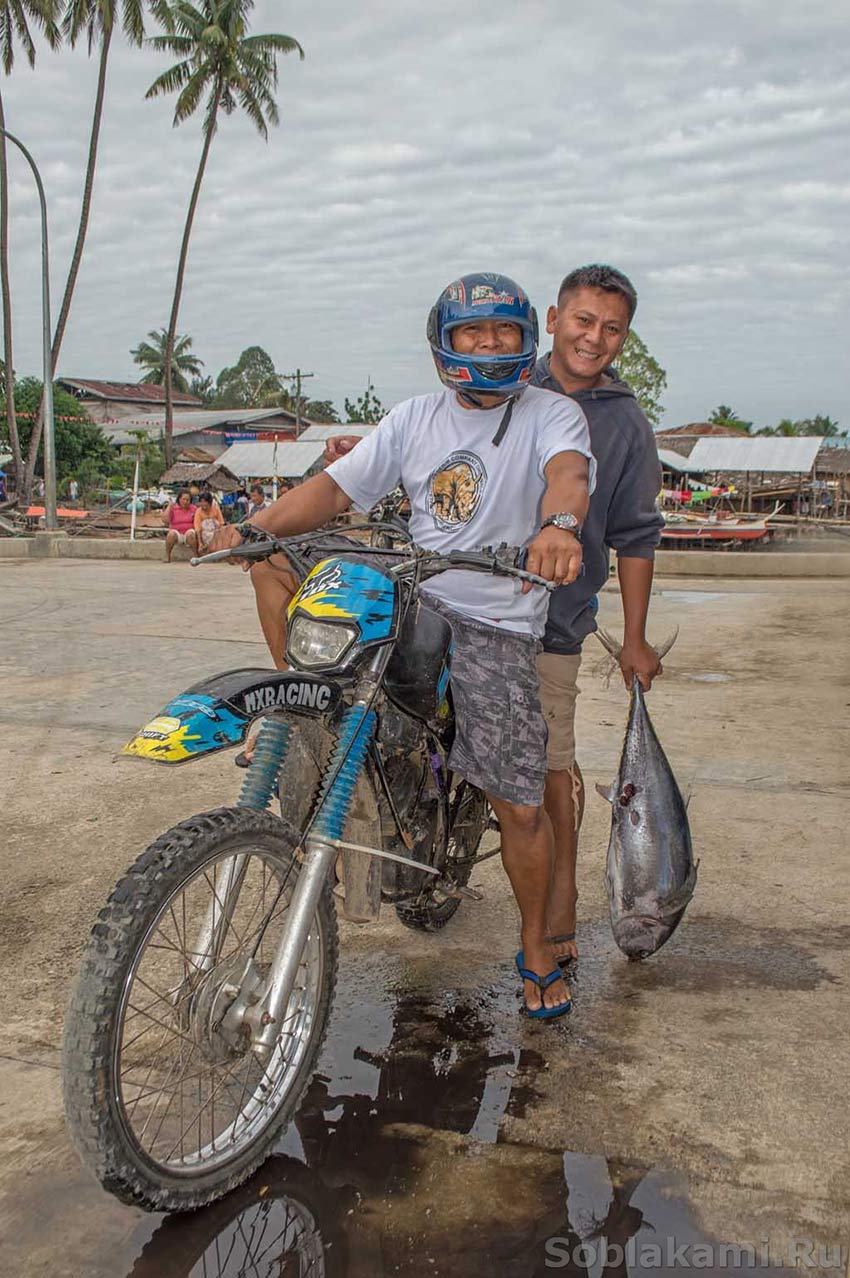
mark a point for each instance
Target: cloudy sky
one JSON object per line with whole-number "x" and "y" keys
{"x": 701, "y": 148}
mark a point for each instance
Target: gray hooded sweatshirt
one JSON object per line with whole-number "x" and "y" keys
{"x": 622, "y": 514}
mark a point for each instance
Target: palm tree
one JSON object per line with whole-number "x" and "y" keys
{"x": 95, "y": 18}
{"x": 221, "y": 64}
{"x": 15, "y": 16}
{"x": 151, "y": 356}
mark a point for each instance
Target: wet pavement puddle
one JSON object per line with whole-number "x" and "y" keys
{"x": 395, "y": 1165}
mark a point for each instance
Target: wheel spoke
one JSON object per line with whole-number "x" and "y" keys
{"x": 193, "y": 1092}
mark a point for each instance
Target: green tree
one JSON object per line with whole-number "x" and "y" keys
{"x": 96, "y": 19}
{"x": 78, "y": 438}
{"x": 15, "y": 17}
{"x": 820, "y": 425}
{"x": 203, "y": 388}
{"x": 723, "y": 415}
{"x": 645, "y": 376}
{"x": 320, "y": 410}
{"x": 150, "y": 355}
{"x": 250, "y": 383}
{"x": 367, "y": 408}
{"x": 223, "y": 66}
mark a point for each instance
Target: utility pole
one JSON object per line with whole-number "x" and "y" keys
{"x": 51, "y": 523}
{"x": 297, "y": 377}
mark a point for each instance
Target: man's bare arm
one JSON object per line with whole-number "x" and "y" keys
{"x": 554, "y": 553}
{"x": 637, "y": 659}
{"x": 311, "y": 505}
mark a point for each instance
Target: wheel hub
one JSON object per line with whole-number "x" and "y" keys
{"x": 219, "y": 1006}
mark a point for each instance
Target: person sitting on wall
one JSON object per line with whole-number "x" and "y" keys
{"x": 179, "y": 518}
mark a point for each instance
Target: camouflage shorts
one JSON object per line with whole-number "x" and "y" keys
{"x": 500, "y": 742}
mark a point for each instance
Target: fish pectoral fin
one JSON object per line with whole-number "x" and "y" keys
{"x": 608, "y": 793}
{"x": 677, "y": 900}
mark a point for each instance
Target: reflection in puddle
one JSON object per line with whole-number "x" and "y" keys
{"x": 394, "y": 1166}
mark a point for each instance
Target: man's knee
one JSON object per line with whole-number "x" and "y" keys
{"x": 272, "y": 583}
{"x": 520, "y": 819}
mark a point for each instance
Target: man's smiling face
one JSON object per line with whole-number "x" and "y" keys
{"x": 588, "y": 331}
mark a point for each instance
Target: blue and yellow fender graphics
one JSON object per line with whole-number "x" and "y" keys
{"x": 346, "y": 590}
{"x": 189, "y": 725}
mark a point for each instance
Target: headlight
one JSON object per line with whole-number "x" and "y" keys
{"x": 313, "y": 644}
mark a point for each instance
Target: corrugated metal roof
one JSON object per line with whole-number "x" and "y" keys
{"x": 259, "y": 458}
{"x": 671, "y": 460}
{"x": 128, "y": 392}
{"x": 787, "y": 455}
{"x": 338, "y": 428}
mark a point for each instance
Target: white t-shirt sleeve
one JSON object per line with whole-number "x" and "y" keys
{"x": 563, "y": 428}
{"x": 373, "y": 467}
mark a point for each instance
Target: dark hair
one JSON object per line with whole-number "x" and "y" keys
{"x": 608, "y": 278}
{"x": 181, "y": 492}
{"x": 258, "y": 488}
{"x": 205, "y": 496}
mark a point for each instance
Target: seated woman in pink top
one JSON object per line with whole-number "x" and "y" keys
{"x": 208, "y": 519}
{"x": 180, "y": 518}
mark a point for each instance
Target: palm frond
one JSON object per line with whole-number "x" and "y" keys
{"x": 187, "y": 102}
{"x": 274, "y": 44}
{"x": 172, "y": 79}
{"x": 181, "y": 45}
{"x": 133, "y": 20}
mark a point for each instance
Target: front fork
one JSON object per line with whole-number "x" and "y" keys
{"x": 343, "y": 770}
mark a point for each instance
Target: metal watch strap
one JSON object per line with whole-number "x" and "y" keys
{"x": 565, "y": 521}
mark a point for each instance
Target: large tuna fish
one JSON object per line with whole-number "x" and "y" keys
{"x": 651, "y": 874}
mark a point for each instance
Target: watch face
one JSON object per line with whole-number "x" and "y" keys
{"x": 567, "y": 522}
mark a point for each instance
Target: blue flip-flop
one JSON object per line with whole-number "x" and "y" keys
{"x": 542, "y": 1013}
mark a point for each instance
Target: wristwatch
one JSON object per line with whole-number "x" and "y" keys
{"x": 250, "y": 532}
{"x": 566, "y": 522}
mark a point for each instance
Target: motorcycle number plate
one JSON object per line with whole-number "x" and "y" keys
{"x": 303, "y": 694}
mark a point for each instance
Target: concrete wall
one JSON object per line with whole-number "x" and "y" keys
{"x": 668, "y": 563}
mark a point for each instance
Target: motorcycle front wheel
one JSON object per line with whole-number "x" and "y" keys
{"x": 166, "y": 1102}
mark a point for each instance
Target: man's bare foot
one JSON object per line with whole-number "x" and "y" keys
{"x": 539, "y": 957}
{"x": 565, "y": 945}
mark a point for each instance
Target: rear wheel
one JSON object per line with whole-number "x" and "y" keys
{"x": 166, "y": 1101}
{"x": 432, "y": 909}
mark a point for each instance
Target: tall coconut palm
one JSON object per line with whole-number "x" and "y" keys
{"x": 223, "y": 66}
{"x": 96, "y": 19}
{"x": 150, "y": 355}
{"x": 15, "y": 17}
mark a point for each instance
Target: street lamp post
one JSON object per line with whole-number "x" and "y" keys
{"x": 50, "y": 520}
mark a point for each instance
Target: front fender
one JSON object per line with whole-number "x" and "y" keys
{"x": 217, "y": 713}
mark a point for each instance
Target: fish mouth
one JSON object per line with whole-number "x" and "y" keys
{"x": 639, "y": 936}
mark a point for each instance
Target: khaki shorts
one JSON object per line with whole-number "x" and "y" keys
{"x": 558, "y": 674}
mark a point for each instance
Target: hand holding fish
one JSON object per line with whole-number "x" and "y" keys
{"x": 639, "y": 660}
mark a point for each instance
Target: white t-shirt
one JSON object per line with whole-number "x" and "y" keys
{"x": 464, "y": 492}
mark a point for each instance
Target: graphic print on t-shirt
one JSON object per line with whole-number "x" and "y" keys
{"x": 455, "y": 489}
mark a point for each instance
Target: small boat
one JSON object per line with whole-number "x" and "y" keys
{"x": 718, "y": 526}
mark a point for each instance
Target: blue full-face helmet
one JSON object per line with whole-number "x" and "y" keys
{"x": 483, "y": 296}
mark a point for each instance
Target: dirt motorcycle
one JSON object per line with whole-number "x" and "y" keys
{"x": 204, "y": 992}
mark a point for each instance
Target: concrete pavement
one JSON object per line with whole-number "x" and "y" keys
{"x": 703, "y": 1090}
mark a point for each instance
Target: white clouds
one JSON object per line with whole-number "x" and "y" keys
{"x": 702, "y": 149}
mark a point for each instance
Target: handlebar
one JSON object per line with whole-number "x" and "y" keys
{"x": 414, "y": 559}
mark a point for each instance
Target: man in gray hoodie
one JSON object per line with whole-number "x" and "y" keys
{"x": 589, "y": 326}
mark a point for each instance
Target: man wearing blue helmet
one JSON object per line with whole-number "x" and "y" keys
{"x": 487, "y": 460}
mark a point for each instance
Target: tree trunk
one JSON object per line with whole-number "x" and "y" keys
{"x": 82, "y": 230}
{"x": 178, "y": 286}
{"x": 11, "y": 420}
